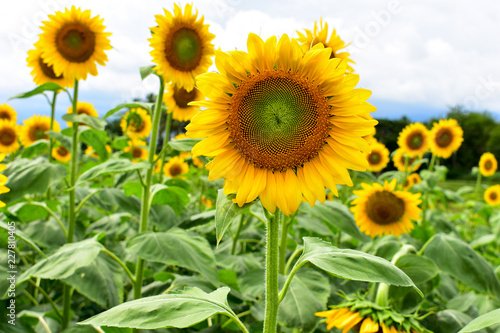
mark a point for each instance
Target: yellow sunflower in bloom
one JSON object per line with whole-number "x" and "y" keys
{"x": 492, "y": 195}
{"x": 136, "y": 123}
{"x": 320, "y": 35}
{"x": 90, "y": 151}
{"x": 177, "y": 99}
{"x": 281, "y": 124}
{"x": 445, "y": 137}
{"x": 137, "y": 150}
{"x": 8, "y": 113}
{"x": 488, "y": 164}
{"x": 9, "y": 132}
{"x": 83, "y": 108}
{"x": 379, "y": 209}
{"x": 61, "y": 154}
{"x": 35, "y": 129}
{"x": 43, "y": 72}
{"x": 378, "y": 158}
{"x": 3, "y": 180}
{"x": 175, "y": 167}
{"x": 399, "y": 161}
{"x": 182, "y": 46}
{"x": 72, "y": 42}
{"x": 206, "y": 202}
{"x": 414, "y": 140}
{"x": 411, "y": 180}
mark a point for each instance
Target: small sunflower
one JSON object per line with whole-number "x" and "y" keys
{"x": 182, "y": 46}
{"x": 175, "y": 167}
{"x": 43, "y": 72}
{"x": 8, "y": 113}
{"x": 136, "y": 123}
{"x": 492, "y": 195}
{"x": 378, "y": 158}
{"x": 206, "y": 202}
{"x": 90, "y": 151}
{"x": 488, "y": 164}
{"x": 399, "y": 161}
{"x": 445, "y": 137}
{"x": 9, "y": 133}
{"x": 320, "y": 35}
{"x": 379, "y": 209}
{"x": 61, "y": 154}
{"x": 281, "y": 124}
{"x": 72, "y": 43}
{"x": 411, "y": 180}
{"x": 35, "y": 129}
{"x": 137, "y": 150}
{"x": 83, "y": 108}
{"x": 414, "y": 140}
{"x": 3, "y": 180}
{"x": 177, "y": 100}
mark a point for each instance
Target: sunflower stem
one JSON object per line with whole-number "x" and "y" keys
{"x": 405, "y": 174}
{"x": 283, "y": 241}
{"x": 272, "y": 254}
{"x": 72, "y": 204}
{"x": 52, "y": 115}
{"x": 433, "y": 161}
{"x": 478, "y": 182}
{"x": 168, "y": 124}
{"x": 146, "y": 190}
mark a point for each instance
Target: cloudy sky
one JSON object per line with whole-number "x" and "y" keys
{"x": 417, "y": 56}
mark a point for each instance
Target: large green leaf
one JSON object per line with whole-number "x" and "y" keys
{"x": 451, "y": 321}
{"x": 111, "y": 166}
{"x": 176, "y": 247}
{"x": 458, "y": 259}
{"x": 419, "y": 269}
{"x": 93, "y": 122}
{"x": 175, "y": 197}
{"x": 351, "y": 264}
{"x": 338, "y": 215}
{"x": 49, "y": 86}
{"x": 97, "y": 140}
{"x": 35, "y": 149}
{"x": 183, "y": 144}
{"x": 179, "y": 310}
{"x": 225, "y": 212}
{"x": 30, "y": 177}
{"x": 486, "y": 320}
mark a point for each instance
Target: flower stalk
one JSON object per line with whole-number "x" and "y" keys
{"x": 272, "y": 257}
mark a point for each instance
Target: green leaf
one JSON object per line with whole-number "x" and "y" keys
{"x": 183, "y": 144}
{"x": 351, "y": 264}
{"x": 419, "y": 269}
{"x": 146, "y": 106}
{"x": 486, "y": 320}
{"x": 483, "y": 241}
{"x": 225, "y": 212}
{"x": 27, "y": 212}
{"x": 35, "y": 149}
{"x": 179, "y": 310}
{"x": 63, "y": 139}
{"x": 338, "y": 215}
{"x": 146, "y": 71}
{"x": 175, "y": 197}
{"x": 30, "y": 176}
{"x": 49, "y": 86}
{"x": 97, "y": 140}
{"x": 457, "y": 258}
{"x": 451, "y": 320}
{"x": 176, "y": 247}
{"x": 133, "y": 188}
{"x": 94, "y": 122}
{"x": 111, "y": 166}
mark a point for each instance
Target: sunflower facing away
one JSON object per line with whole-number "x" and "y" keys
{"x": 379, "y": 209}
{"x": 72, "y": 42}
{"x": 281, "y": 124}
{"x": 61, "y": 154}
{"x": 320, "y": 35}
{"x": 83, "y": 108}
{"x": 488, "y": 164}
{"x": 9, "y": 132}
{"x": 182, "y": 46}
{"x": 3, "y": 180}
{"x": 137, "y": 150}
{"x": 8, "y": 113}
{"x": 399, "y": 161}
{"x": 43, "y": 72}
{"x": 175, "y": 167}
{"x": 177, "y": 99}
{"x": 413, "y": 140}
{"x": 378, "y": 157}
{"x": 445, "y": 137}
{"x": 136, "y": 123}
{"x": 492, "y": 195}
{"x": 35, "y": 129}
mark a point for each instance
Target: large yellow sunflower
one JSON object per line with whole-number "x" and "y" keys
{"x": 3, "y": 180}
{"x": 378, "y": 157}
{"x": 281, "y": 124}
{"x": 182, "y": 46}
{"x": 136, "y": 123}
{"x": 43, "y": 72}
{"x": 35, "y": 129}
{"x": 61, "y": 154}
{"x": 445, "y": 137}
{"x": 414, "y": 140}
{"x": 83, "y": 108}
{"x": 177, "y": 99}
{"x": 8, "y": 113}
{"x": 320, "y": 35}
{"x": 379, "y": 209}
{"x": 488, "y": 164}
{"x": 399, "y": 161}
{"x": 9, "y": 132}
{"x": 492, "y": 195}
{"x": 73, "y": 42}
{"x": 175, "y": 167}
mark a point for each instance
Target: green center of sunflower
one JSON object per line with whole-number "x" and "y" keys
{"x": 5, "y": 115}
{"x": 384, "y": 207}
{"x": 488, "y": 165}
{"x": 444, "y": 137}
{"x": 182, "y": 97}
{"x": 48, "y": 70}
{"x": 278, "y": 120}
{"x": 38, "y": 133}
{"x": 415, "y": 140}
{"x": 75, "y": 42}
{"x": 493, "y": 195}
{"x": 7, "y": 136}
{"x": 135, "y": 122}
{"x": 62, "y": 151}
{"x": 374, "y": 157}
{"x": 175, "y": 170}
{"x": 183, "y": 48}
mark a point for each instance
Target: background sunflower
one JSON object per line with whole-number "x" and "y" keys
{"x": 378, "y": 158}
{"x": 9, "y": 133}
{"x": 177, "y": 101}
{"x": 83, "y": 108}
{"x": 492, "y": 195}
{"x": 175, "y": 167}
{"x": 136, "y": 123}
{"x": 399, "y": 161}
{"x": 414, "y": 140}
{"x": 445, "y": 137}
{"x": 8, "y": 113}
{"x": 42, "y": 72}
{"x": 488, "y": 164}
{"x": 35, "y": 129}
{"x": 61, "y": 154}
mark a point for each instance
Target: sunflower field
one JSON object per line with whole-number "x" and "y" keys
{"x": 274, "y": 209}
